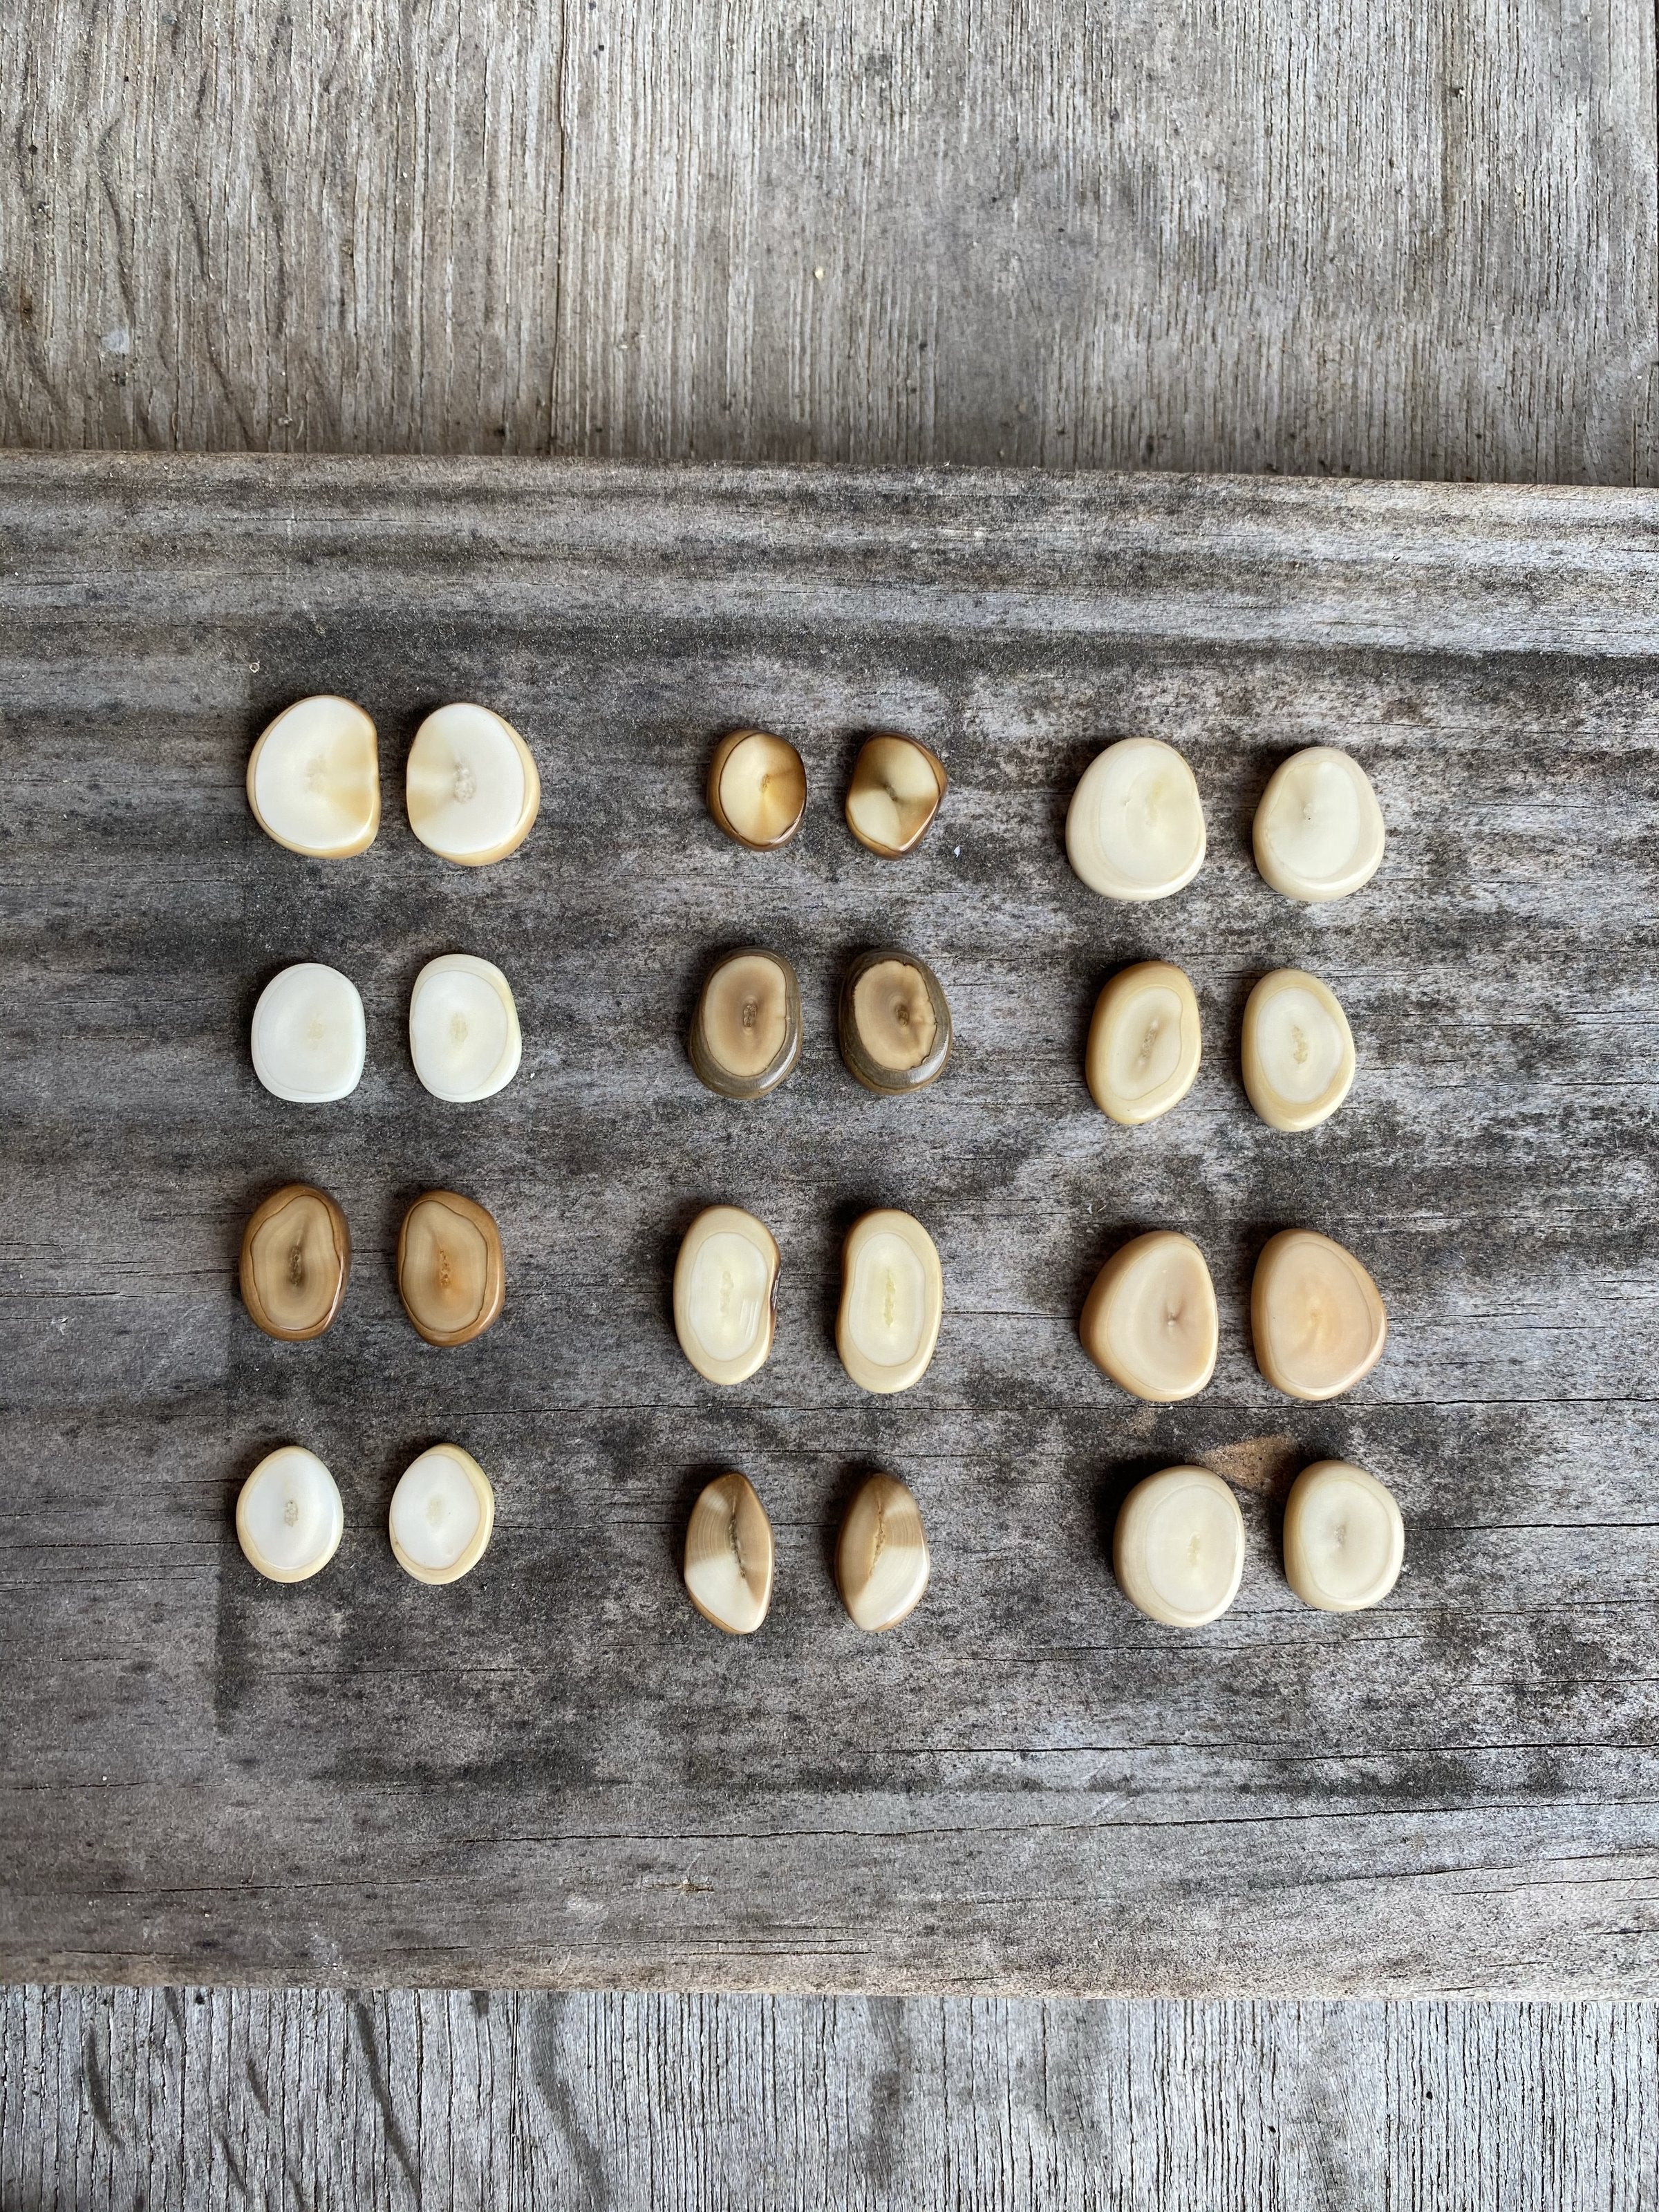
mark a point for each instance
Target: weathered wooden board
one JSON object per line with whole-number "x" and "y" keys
{"x": 555, "y": 1773}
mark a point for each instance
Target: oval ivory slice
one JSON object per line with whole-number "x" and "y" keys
{"x": 1299, "y": 1050}
{"x": 308, "y": 1036}
{"x": 1319, "y": 832}
{"x": 452, "y": 1277}
{"x": 728, "y": 1556}
{"x": 296, "y": 1254}
{"x": 288, "y": 1516}
{"x": 757, "y": 788}
{"x": 1317, "y": 1319}
{"x": 747, "y": 1036}
{"x": 471, "y": 787}
{"x": 1178, "y": 1548}
{"x": 892, "y": 1301}
{"x": 1135, "y": 827}
{"x": 1150, "y": 1321}
{"x": 1344, "y": 1542}
{"x": 896, "y": 1033}
{"x": 442, "y": 1514}
{"x": 726, "y": 1287}
{"x": 313, "y": 779}
{"x": 1145, "y": 1042}
{"x": 463, "y": 1029}
{"x": 896, "y": 787}
{"x": 882, "y": 1563}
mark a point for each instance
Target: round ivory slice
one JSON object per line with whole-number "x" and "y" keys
{"x": 288, "y": 1516}
{"x": 308, "y": 1036}
{"x": 757, "y": 788}
{"x": 1178, "y": 1548}
{"x": 296, "y": 1254}
{"x": 1344, "y": 1541}
{"x": 881, "y": 1562}
{"x": 728, "y": 1556}
{"x": 892, "y": 1300}
{"x": 1135, "y": 827}
{"x": 313, "y": 779}
{"x": 1319, "y": 830}
{"x": 896, "y": 1033}
{"x": 725, "y": 1290}
{"x": 747, "y": 1036}
{"x": 463, "y": 1027}
{"x": 471, "y": 787}
{"x": 1145, "y": 1042}
{"x": 450, "y": 1274}
{"x": 1299, "y": 1050}
{"x": 443, "y": 1511}
{"x": 896, "y": 787}
{"x": 1318, "y": 1321}
{"x": 1150, "y": 1321}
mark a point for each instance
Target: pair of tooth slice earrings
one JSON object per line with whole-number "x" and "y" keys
{"x": 309, "y": 1037}
{"x": 289, "y": 1518}
{"x": 882, "y": 1562}
{"x": 296, "y": 1256}
{"x": 757, "y": 791}
{"x": 895, "y": 1023}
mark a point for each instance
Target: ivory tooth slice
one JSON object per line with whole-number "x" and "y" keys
{"x": 313, "y": 779}
{"x": 896, "y": 787}
{"x": 471, "y": 787}
{"x": 463, "y": 1029}
{"x": 728, "y": 1556}
{"x": 308, "y": 1036}
{"x": 1178, "y": 1548}
{"x": 288, "y": 1516}
{"x": 725, "y": 1290}
{"x": 1150, "y": 1321}
{"x": 443, "y": 1512}
{"x": 881, "y": 1562}
{"x": 296, "y": 1254}
{"x": 1145, "y": 1042}
{"x": 1319, "y": 831}
{"x": 1135, "y": 826}
{"x": 1344, "y": 1542}
{"x": 1299, "y": 1050}
{"x": 896, "y": 1032}
{"x": 892, "y": 1300}
{"x": 747, "y": 1036}
{"x": 451, "y": 1275}
{"x": 757, "y": 789}
{"x": 1318, "y": 1321}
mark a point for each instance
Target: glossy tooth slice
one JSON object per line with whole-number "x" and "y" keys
{"x": 1145, "y": 1042}
{"x": 288, "y": 1516}
{"x": 313, "y": 779}
{"x": 1135, "y": 826}
{"x": 881, "y": 1562}
{"x": 896, "y": 1033}
{"x": 296, "y": 1254}
{"x": 443, "y": 1511}
{"x": 309, "y": 1036}
{"x": 1318, "y": 1322}
{"x": 896, "y": 787}
{"x": 1150, "y": 1321}
{"x": 1344, "y": 1541}
{"x": 451, "y": 1275}
{"x": 1178, "y": 1548}
{"x": 892, "y": 1300}
{"x": 728, "y": 1556}
{"x": 757, "y": 789}
{"x": 725, "y": 1290}
{"x": 1319, "y": 830}
{"x": 747, "y": 1036}
{"x": 471, "y": 788}
{"x": 463, "y": 1027}
{"x": 1299, "y": 1050}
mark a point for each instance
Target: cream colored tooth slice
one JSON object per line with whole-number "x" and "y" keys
{"x": 1178, "y": 1548}
{"x": 1319, "y": 832}
{"x": 471, "y": 787}
{"x": 1150, "y": 1321}
{"x": 313, "y": 779}
{"x": 1145, "y": 1042}
{"x": 757, "y": 789}
{"x": 1299, "y": 1050}
{"x": 1135, "y": 827}
{"x": 746, "y": 1037}
{"x": 892, "y": 1301}
{"x": 288, "y": 1516}
{"x": 729, "y": 1556}
{"x": 725, "y": 1288}
{"x": 308, "y": 1036}
{"x": 1317, "y": 1319}
{"x": 463, "y": 1029}
{"x": 882, "y": 1563}
{"x": 895, "y": 793}
{"x": 443, "y": 1512}
{"x": 1344, "y": 1542}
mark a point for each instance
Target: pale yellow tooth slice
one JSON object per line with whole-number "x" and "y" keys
{"x": 1178, "y": 1548}
{"x": 1317, "y": 1319}
{"x": 881, "y": 1562}
{"x": 1344, "y": 1541}
{"x": 1150, "y": 1321}
{"x": 443, "y": 1511}
{"x": 1135, "y": 826}
{"x": 1145, "y": 1042}
{"x": 746, "y": 1037}
{"x": 313, "y": 779}
{"x": 288, "y": 1516}
{"x": 757, "y": 788}
{"x": 725, "y": 1288}
{"x": 896, "y": 787}
{"x": 892, "y": 1301}
{"x": 729, "y": 1556}
{"x": 1319, "y": 832}
{"x": 308, "y": 1036}
{"x": 463, "y": 1027}
{"x": 471, "y": 788}
{"x": 1299, "y": 1050}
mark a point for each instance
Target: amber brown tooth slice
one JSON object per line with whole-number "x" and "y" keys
{"x": 757, "y": 789}
{"x": 896, "y": 1033}
{"x": 296, "y": 1255}
{"x": 895, "y": 793}
{"x": 451, "y": 1275}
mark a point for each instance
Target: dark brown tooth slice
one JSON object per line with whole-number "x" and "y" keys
{"x": 451, "y": 1275}
{"x": 895, "y": 793}
{"x": 729, "y": 1557}
{"x": 757, "y": 788}
{"x": 745, "y": 1037}
{"x": 296, "y": 1255}
{"x": 882, "y": 1562}
{"x": 896, "y": 1033}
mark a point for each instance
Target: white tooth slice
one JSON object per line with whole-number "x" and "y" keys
{"x": 1135, "y": 826}
{"x": 308, "y": 1036}
{"x": 881, "y": 1562}
{"x": 472, "y": 790}
{"x": 1178, "y": 1548}
{"x": 1145, "y": 1042}
{"x": 443, "y": 1512}
{"x": 1319, "y": 830}
{"x": 892, "y": 1300}
{"x": 1344, "y": 1541}
{"x": 463, "y": 1027}
{"x": 288, "y": 1516}
{"x": 728, "y": 1556}
{"x": 313, "y": 779}
{"x": 1317, "y": 1319}
{"x": 1150, "y": 1321}
{"x": 1299, "y": 1050}
{"x": 726, "y": 1285}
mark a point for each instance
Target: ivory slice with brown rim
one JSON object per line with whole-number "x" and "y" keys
{"x": 1145, "y": 1042}
{"x": 725, "y": 1288}
{"x": 892, "y": 1300}
{"x": 313, "y": 779}
{"x": 882, "y": 1561}
{"x": 1178, "y": 1546}
{"x": 757, "y": 788}
{"x": 895, "y": 793}
{"x": 471, "y": 787}
{"x": 442, "y": 1514}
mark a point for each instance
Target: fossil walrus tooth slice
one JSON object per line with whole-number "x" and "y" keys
{"x": 1319, "y": 832}
{"x": 881, "y": 1561}
{"x": 725, "y": 1288}
{"x": 471, "y": 788}
{"x": 1299, "y": 1050}
{"x": 1135, "y": 827}
{"x": 757, "y": 788}
{"x": 745, "y": 1037}
{"x": 1150, "y": 1321}
{"x": 313, "y": 779}
{"x": 451, "y": 1275}
{"x": 892, "y": 1300}
{"x": 1145, "y": 1042}
{"x": 896, "y": 1031}
{"x": 296, "y": 1254}
{"x": 288, "y": 1516}
{"x": 895, "y": 793}
{"x": 308, "y": 1036}
{"x": 463, "y": 1027}
{"x": 1344, "y": 1538}
{"x": 1178, "y": 1548}
{"x": 1317, "y": 1319}
{"x": 728, "y": 1556}
{"x": 442, "y": 1513}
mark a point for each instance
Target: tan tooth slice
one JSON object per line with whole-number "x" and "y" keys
{"x": 896, "y": 787}
{"x": 881, "y": 1562}
{"x": 1150, "y": 1321}
{"x": 471, "y": 789}
{"x": 725, "y": 1288}
{"x": 1299, "y": 1050}
{"x": 728, "y": 1556}
{"x": 747, "y": 1036}
{"x": 288, "y": 1516}
{"x": 313, "y": 779}
{"x": 443, "y": 1511}
{"x": 1318, "y": 1322}
{"x": 1344, "y": 1541}
{"x": 1319, "y": 830}
{"x": 296, "y": 1254}
{"x": 757, "y": 788}
{"x": 308, "y": 1036}
{"x": 892, "y": 1300}
{"x": 450, "y": 1274}
{"x": 1135, "y": 826}
{"x": 1178, "y": 1548}
{"x": 1145, "y": 1042}
{"x": 463, "y": 1027}
{"x": 896, "y": 1033}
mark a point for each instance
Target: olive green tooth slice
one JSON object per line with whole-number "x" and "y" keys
{"x": 746, "y": 1034}
{"x": 896, "y": 1033}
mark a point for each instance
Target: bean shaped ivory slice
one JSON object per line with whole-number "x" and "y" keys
{"x": 1135, "y": 827}
{"x": 309, "y": 1037}
{"x": 882, "y": 1563}
{"x": 895, "y": 1024}
{"x": 1319, "y": 832}
{"x": 1299, "y": 1050}
{"x": 288, "y": 1516}
{"x": 443, "y": 1512}
{"x": 450, "y": 1274}
{"x": 1344, "y": 1542}
{"x": 1145, "y": 1042}
{"x": 896, "y": 787}
{"x": 757, "y": 789}
{"x": 728, "y": 1556}
{"x": 725, "y": 1290}
{"x": 313, "y": 779}
{"x": 747, "y": 1036}
{"x": 1178, "y": 1548}
{"x": 892, "y": 1300}
{"x": 463, "y": 1029}
{"x": 1316, "y": 1316}
{"x": 296, "y": 1254}
{"x": 471, "y": 788}
{"x": 1150, "y": 1321}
